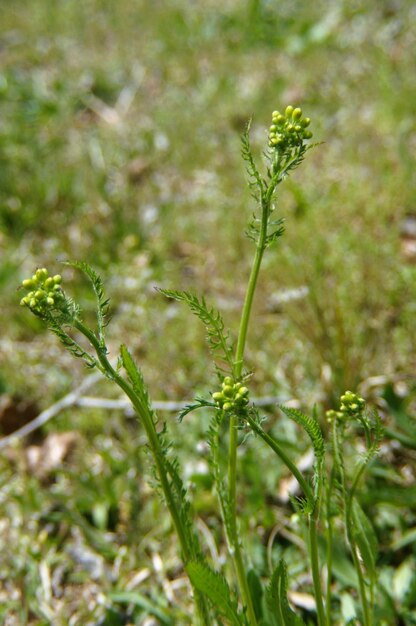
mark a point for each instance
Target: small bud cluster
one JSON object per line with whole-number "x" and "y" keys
{"x": 288, "y": 130}
{"x": 232, "y": 395}
{"x": 44, "y": 291}
{"x": 351, "y": 406}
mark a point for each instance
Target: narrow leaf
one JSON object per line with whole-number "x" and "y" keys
{"x": 218, "y": 339}
{"x": 216, "y": 588}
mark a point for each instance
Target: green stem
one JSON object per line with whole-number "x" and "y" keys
{"x": 149, "y": 426}
{"x": 329, "y": 548}
{"x": 316, "y": 576}
{"x": 348, "y": 499}
{"x": 233, "y": 436}
{"x": 313, "y": 518}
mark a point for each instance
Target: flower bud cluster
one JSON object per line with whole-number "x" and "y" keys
{"x": 232, "y": 395}
{"x": 44, "y": 291}
{"x": 288, "y": 130}
{"x": 351, "y": 406}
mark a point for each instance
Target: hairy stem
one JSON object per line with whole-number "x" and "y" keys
{"x": 154, "y": 443}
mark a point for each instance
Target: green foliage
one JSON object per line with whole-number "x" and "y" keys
{"x": 276, "y": 598}
{"x": 218, "y": 339}
{"x": 102, "y": 301}
{"x": 215, "y": 586}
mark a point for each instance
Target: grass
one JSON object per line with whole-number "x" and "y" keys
{"x": 120, "y": 145}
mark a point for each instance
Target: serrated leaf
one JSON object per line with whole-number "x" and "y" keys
{"x": 102, "y": 302}
{"x": 135, "y": 377}
{"x": 215, "y": 587}
{"x": 199, "y": 403}
{"x": 276, "y": 598}
{"x": 311, "y": 426}
{"x": 218, "y": 339}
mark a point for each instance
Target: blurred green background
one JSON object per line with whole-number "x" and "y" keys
{"x": 119, "y": 146}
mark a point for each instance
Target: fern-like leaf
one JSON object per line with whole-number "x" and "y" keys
{"x": 312, "y": 428}
{"x": 256, "y": 183}
{"x": 102, "y": 301}
{"x": 218, "y": 339}
{"x": 276, "y": 598}
{"x": 199, "y": 403}
{"x": 215, "y": 587}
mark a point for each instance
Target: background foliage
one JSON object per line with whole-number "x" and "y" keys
{"x": 119, "y": 145}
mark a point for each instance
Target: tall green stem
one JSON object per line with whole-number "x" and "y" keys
{"x": 233, "y": 437}
{"x": 314, "y": 556}
{"x": 146, "y": 418}
{"x": 313, "y": 517}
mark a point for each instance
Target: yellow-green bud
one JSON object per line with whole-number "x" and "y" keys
{"x": 305, "y": 122}
{"x": 275, "y": 114}
{"x": 49, "y": 283}
{"x": 29, "y": 283}
{"x": 307, "y": 134}
{"x": 24, "y": 301}
{"x": 243, "y": 391}
{"x": 57, "y": 279}
{"x": 41, "y": 274}
{"x": 217, "y": 396}
{"x": 298, "y": 128}
{"x": 227, "y": 406}
{"x": 227, "y": 381}
{"x": 33, "y": 303}
{"x": 291, "y": 128}
{"x": 281, "y": 120}
{"x": 273, "y": 128}
{"x": 50, "y": 301}
{"x": 228, "y": 391}
{"x": 39, "y": 295}
{"x": 274, "y": 141}
{"x": 289, "y": 111}
{"x": 297, "y": 114}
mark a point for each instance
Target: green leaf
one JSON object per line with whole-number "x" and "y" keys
{"x": 365, "y": 538}
{"x": 135, "y": 377}
{"x": 256, "y": 592}
{"x": 138, "y": 599}
{"x": 276, "y": 599}
{"x": 216, "y": 588}
{"x": 102, "y": 302}
{"x": 199, "y": 403}
{"x": 218, "y": 340}
{"x": 311, "y": 426}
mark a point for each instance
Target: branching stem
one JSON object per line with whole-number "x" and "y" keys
{"x": 154, "y": 443}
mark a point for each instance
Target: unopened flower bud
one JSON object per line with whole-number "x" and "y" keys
{"x": 29, "y": 283}
{"x": 50, "y": 301}
{"x": 49, "y": 283}
{"x": 227, "y": 406}
{"x": 217, "y": 396}
{"x": 40, "y": 294}
{"x": 227, "y": 380}
{"x": 305, "y": 122}
{"x": 289, "y": 111}
{"x": 57, "y": 279}
{"x": 228, "y": 391}
{"x": 41, "y": 274}
{"x": 307, "y": 134}
{"x": 297, "y": 114}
